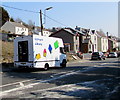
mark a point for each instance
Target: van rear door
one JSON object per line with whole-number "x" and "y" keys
{"x": 23, "y": 51}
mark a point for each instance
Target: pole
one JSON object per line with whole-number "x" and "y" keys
{"x": 41, "y": 23}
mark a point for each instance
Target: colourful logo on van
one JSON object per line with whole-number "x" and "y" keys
{"x": 38, "y": 56}
{"x": 44, "y": 53}
{"x": 56, "y": 44}
{"x": 50, "y": 48}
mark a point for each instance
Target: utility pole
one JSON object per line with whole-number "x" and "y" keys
{"x": 44, "y": 19}
{"x": 41, "y": 22}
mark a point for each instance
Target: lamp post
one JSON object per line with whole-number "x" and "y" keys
{"x": 44, "y": 18}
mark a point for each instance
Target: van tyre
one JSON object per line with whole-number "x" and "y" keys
{"x": 100, "y": 58}
{"x": 46, "y": 67}
{"x": 103, "y": 58}
{"x": 64, "y": 63}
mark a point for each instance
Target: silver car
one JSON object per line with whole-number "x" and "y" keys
{"x": 112, "y": 55}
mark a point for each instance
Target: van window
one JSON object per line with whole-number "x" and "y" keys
{"x": 62, "y": 50}
{"x": 23, "y": 51}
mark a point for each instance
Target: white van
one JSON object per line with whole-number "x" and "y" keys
{"x": 39, "y": 52}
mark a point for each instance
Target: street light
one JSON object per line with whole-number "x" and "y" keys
{"x": 45, "y": 13}
{"x": 44, "y": 18}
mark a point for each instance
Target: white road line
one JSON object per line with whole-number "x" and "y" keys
{"x": 31, "y": 85}
{"x": 16, "y": 82}
{"x": 104, "y": 64}
{"x": 62, "y": 73}
{"x": 32, "y": 79}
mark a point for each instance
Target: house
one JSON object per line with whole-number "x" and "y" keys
{"x": 71, "y": 38}
{"x": 102, "y": 42}
{"x": 94, "y": 40}
{"x": 112, "y": 43}
{"x": 89, "y": 41}
{"x": 86, "y": 45}
{"x": 46, "y": 32}
{"x": 15, "y": 28}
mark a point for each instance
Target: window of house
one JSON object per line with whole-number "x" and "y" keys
{"x": 95, "y": 38}
{"x": 95, "y": 46}
{"x": 22, "y": 29}
{"x": 76, "y": 37}
{"x": 89, "y": 46}
{"x": 76, "y": 47}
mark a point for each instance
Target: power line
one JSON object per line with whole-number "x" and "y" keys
{"x": 35, "y": 12}
{"x": 20, "y": 9}
{"x": 54, "y": 20}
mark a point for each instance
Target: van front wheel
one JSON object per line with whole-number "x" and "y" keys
{"x": 46, "y": 67}
{"x": 63, "y": 63}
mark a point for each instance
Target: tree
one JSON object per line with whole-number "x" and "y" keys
{"x": 18, "y": 20}
{"x": 30, "y": 23}
{"x": 4, "y": 16}
{"x": 12, "y": 20}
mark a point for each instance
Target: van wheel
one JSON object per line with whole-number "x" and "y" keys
{"x": 46, "y": 67}
{"x": 103, "y": 58}
{"x": 64, "y": 63}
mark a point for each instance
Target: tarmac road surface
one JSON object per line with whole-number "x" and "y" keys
{"x": 81, "y": 79}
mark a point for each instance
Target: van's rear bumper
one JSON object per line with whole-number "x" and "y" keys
{"x": 24, "y": 64}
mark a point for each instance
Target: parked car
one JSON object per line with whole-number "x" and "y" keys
{"x": 105, "y": 54}
{"x": 118, "y": 54}
{"x": 97, "y": 56}
{"x": 112, "y": 55}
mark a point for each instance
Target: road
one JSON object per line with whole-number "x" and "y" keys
{"x": 84, "y": 79}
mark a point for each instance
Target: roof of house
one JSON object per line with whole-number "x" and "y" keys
{"x": 17, "y": 24}
{"x": 70, "y": 30}
{"x": 101, "y": 34}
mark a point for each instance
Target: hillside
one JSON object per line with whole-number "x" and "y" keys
{"x": 6, "y": 55}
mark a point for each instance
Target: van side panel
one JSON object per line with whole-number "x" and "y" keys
{"x": 46, "y": 50}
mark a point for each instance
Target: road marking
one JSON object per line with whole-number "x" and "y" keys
{"x": 68, "y": 86}
{"x": 62, "y": 73}
{"x": 38, "y": 82}
{"x": 16, "y": 82}
{"x": 103, "y": 64}
{"x": 21, "y": 84}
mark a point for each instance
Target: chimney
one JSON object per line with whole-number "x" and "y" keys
{"x": 21, "y": 23}
{"x": 107, "y": 34}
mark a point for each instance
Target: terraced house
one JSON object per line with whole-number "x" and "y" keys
{"x": 72, "y": 39}
{"x": 102, "y": 41}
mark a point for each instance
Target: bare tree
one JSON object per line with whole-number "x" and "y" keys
{"x": 30, "y": 23}
{"x": 18, "y": 20}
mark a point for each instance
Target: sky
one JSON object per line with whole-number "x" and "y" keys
{"x": 90, "y": 15}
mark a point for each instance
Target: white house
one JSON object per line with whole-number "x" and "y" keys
{"x": 15, "y": 28}
{"x": 46, "y": 32}
{"x": 102, "y": 42}
{"x": 93, "y": 37}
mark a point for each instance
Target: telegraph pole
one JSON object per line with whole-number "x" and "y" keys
{"x": 41, "y": 22}
{"x": 44, "y": 19}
